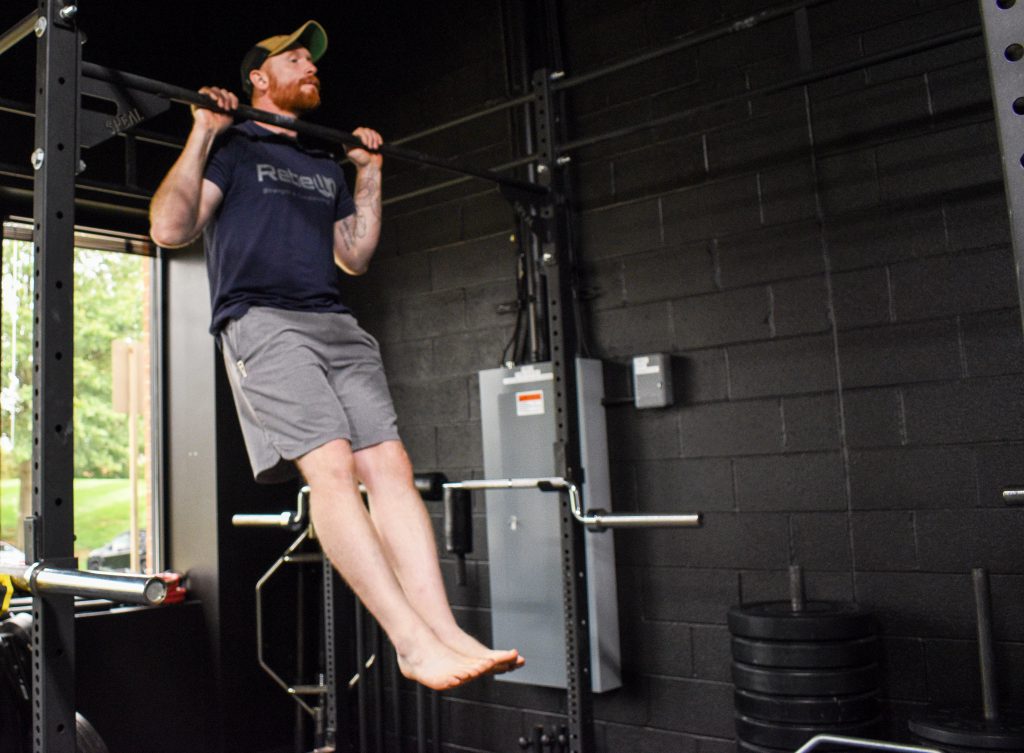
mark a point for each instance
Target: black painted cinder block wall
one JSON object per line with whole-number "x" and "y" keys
{"x": 830, "y": 267}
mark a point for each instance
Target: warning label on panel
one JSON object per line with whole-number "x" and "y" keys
{"x": 530, "y": 403}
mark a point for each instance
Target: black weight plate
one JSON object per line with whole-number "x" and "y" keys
{"x": 805, "y": 655}
{"x": 945, "y": 747}
{"x": 87, "y": 739}
{"x": 792, "y": 736}
{"x": 836, "y": 709}
{"x": 808, "y": 682}
{"x": 817, "y": 621}
{"x": 742, "y": 746}
{"x": 968, "y": 728}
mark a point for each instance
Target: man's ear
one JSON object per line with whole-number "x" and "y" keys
{"x": 257, "y": 78}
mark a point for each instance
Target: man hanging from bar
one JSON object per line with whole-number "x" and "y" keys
{"x": 309, "y": 386}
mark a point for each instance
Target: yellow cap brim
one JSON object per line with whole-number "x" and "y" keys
{"x": 310, "y": 35}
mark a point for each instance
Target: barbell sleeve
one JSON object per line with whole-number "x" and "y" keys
{"x": 284, "y": 519}
{"x": 254, "y": 520}
{"x": 1014, "y": 495}
{"x": 40, "y": 580}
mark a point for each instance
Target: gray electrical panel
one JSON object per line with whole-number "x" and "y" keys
{"x": 517, "y": 413}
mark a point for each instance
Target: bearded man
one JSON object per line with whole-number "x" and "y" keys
{"x": 309, "y": 387}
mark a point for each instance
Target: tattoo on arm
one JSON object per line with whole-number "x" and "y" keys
{"x": 347, "y": 233}
{"x": 356, "y": 227}
{"x": 367, "y": 203}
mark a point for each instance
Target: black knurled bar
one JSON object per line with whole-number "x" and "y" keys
{"x": 189, "y": 97}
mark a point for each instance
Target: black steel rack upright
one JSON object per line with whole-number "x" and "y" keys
{"x": 49, "y": 531}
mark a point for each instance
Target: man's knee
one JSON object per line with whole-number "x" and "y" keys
{"x": 329, "y": 464}
{"x": 385, "y": 461}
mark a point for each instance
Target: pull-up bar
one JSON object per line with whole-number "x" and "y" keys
{"x": 189, "y": 97}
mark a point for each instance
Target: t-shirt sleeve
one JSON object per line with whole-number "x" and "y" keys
{"x": 343, "y": 203}
{"x": 221, "y": 162}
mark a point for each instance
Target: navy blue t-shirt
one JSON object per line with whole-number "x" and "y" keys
{"x": 271, "y": 241}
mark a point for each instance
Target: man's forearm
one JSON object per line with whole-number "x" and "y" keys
{"x": 360, "y": 233}
{"x": 174, "y": 210}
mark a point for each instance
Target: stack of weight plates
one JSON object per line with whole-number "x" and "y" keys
{"x": 801, "y": 673}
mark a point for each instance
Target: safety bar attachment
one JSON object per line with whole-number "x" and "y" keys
{"x": 594, "y": 519}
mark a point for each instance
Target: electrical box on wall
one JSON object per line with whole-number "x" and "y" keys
{"x": 652, "y": 380}
{"x": 517, "y": 415}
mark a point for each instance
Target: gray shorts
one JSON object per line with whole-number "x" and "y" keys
{"x": 301, "y": 379}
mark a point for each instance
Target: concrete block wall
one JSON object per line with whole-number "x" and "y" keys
{"x": 831, "y": 269}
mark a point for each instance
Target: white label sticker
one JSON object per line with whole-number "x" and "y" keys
{"x": 529, "y": 373}
{"x": 642, "y": 365}
{"x": 530, "y": 403}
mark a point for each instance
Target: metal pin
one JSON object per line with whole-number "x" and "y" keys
{"x": 68, "y": 12}
{"x": 37, "y": 159}
{"x": 40, "y": 26}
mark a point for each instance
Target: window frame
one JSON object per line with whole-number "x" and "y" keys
{"x": 19, "y": 228}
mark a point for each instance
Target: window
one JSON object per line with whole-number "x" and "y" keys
{"x": 116, "y": 415}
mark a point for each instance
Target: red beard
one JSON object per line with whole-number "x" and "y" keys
{"x": 296, "y": 97}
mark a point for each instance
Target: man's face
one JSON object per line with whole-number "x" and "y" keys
{"x": 294, "y": 86}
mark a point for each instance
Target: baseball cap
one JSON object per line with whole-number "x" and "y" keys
{"x": 310, "y": 35}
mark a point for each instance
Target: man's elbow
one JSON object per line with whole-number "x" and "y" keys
{"x": 350, "y": 268}
{"x": 166, "y": 237}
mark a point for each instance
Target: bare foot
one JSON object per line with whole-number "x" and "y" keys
{"x": 434, "y": 664}
{"x": 503, "y": 660}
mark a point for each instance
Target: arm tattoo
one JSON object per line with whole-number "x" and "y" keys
{"x": 357, "y": 226}
{"x": 347, "y": 227}
{"x": 367, "y": 203}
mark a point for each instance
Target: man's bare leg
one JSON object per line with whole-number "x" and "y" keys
{"x": 350, "y": 541}
{"x": 397, "y": 510}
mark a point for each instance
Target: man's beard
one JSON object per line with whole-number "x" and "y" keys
{"x": 295, "y": 97}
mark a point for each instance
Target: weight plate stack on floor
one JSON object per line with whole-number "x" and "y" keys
{"x": 803, "y": 668}
{"x": 988, "y": 728}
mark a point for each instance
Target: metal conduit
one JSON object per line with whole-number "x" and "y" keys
{"x": 528, "y": 159}
{"x": 810, "y": 78}
{"x": 19, "y": 31}
{"x": 506, "y": 105}
{"x": 726, "y": 29}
